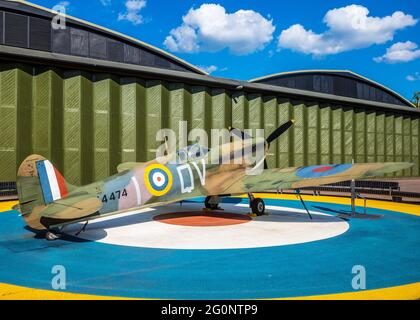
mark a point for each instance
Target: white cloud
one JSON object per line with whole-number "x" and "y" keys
{"x": 62, "y": 7}
{"x": 209, "y": 69}
{"x": 210, "y": 28}
{"x": 349, "y": 28}
{"x": 132, "y": 13}
{"x": 182, "y": 39}
{"x": 105, "y": 2}
{"x": 400, "y": 52}
{"x": 413, "y": 77}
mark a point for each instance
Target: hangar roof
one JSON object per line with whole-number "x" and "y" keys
{"x": 318, "y": 88}
{"x": 27, "y": 25}
{"x": 338, "y": 82}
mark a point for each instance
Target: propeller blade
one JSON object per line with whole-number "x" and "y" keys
{"x": 279, "y": 131}
{"x": 265, "y": 164}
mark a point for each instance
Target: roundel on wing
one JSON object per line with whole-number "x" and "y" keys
{"x": 321, "y": 170}
{"x": 158, "y": 179}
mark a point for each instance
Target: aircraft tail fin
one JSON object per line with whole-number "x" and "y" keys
{"x": 38, "y": 183}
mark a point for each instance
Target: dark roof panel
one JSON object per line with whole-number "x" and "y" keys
{"x": 16, "y": 30}
{"x": 40, "y": 34}
{"x": 131, "y": 54}
{"x": 97, "y": 46}
{"x": 1, "y": 26}
{"x": 80, "y": 38}
{"x": 79, "y": 42}
{"x": 115, "y": 50}
{"x": 338, "y": 82}
{"x": 61, "y": 41}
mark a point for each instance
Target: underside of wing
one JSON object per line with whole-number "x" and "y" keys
{"x": 299, "y": 177}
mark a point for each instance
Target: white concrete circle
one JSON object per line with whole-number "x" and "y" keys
{"x": 282, "y": 226}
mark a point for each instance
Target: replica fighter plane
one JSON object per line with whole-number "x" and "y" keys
{"x": 48, "y": 202}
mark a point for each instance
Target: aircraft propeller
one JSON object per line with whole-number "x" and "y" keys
{"x": 273, "y": 136}
{"x": 279, "y": 131}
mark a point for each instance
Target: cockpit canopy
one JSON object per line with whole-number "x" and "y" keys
{"x": 192, "y": 153}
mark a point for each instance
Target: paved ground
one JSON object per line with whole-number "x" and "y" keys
{"x": 316, "y": 266}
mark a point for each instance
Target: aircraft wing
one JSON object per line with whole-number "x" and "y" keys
{"x": 310, "y": 176}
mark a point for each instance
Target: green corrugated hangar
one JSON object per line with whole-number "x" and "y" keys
{"x": 89, "y": 98}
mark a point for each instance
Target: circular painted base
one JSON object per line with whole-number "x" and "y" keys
{"x": 164, "y": 253}
{"x": 185, "y": 227}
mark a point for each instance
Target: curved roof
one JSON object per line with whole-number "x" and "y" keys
{"x": 271, "y": 79}
{"x": 37, "y": 9}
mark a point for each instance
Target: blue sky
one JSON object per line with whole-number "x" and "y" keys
{"x": 247, "y": 39}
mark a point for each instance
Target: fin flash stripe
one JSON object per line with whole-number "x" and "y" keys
{"x": 52, "y": 182}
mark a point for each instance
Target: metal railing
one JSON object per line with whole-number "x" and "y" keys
{"x": 8, "y": 189}
{"x": 367, "y": 187}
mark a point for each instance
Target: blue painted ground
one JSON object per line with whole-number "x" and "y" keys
{"x": 387, "y": 247}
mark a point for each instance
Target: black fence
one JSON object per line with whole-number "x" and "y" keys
{"x": 8, "y": 189}
{"x": 370, "y": 184}
{"x": 372, "y": 187}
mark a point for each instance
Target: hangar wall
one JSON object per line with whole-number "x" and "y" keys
{"x": 87, "y": 123}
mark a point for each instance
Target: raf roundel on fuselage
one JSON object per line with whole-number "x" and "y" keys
{"x": 158, "y": 179}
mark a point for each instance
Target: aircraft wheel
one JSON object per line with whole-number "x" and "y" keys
{"x": 212, "y": 205}
{"x": 258, "y": 206}
{"x": 50, "y": 236}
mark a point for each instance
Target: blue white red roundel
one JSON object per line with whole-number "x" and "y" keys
{"x": 322, "y": 170}
{"x": 158, "y": 179}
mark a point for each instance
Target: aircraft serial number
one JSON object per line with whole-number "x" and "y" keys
{"x": 114, "y": 195}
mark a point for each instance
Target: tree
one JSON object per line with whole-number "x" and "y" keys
{"x": 416, "y": 99}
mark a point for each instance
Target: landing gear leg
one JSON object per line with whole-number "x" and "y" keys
{"x": 257, "y": 205}
{"x": 83, "y": 228}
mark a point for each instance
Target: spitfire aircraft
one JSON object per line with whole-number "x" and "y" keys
{"x": 47, "y": 202}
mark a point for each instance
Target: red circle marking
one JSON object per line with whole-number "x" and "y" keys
{"x": 322, "y": 169}
{"x": 202, "y": 219}
{"x": 159, "y": 178}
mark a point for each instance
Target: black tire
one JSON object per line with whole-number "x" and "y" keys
{"x": 210, "y": 205}
{"x": 258, "y": 206}
{"x": 50, "y": 236}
